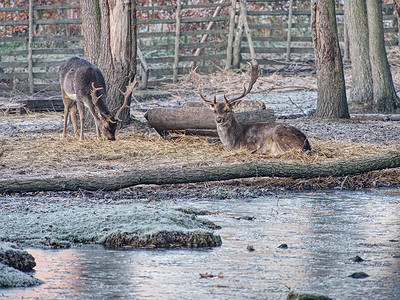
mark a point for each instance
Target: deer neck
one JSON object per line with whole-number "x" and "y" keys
{"x": 230, "y": 133}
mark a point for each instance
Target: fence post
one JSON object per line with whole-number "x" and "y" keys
{"x": 247, "y": 29}
{"x": 30, "y": 40}
{"x": 205, "y": 36}
{"x": 229, "y": 49}
{"x": 398, "y": 27}
{"x": 289, "y": 34}
{"x": 177, "y": 40}
{"x": 144, "y": 70}
{"x": 238, "y": 40}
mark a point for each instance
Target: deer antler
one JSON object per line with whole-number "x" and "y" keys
{"x": 127, "y": 94}
{"x": 200, "y": 93}
{"x": 206, "y": 100}
{"x": 95, "y": 99}
{"x": 254, "y": 73}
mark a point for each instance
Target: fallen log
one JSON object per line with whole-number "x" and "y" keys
{"x": 43, "y": 105}
{"x": 134, "y": 177}
{"x": 165, "y": 119}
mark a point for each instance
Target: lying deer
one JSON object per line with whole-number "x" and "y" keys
{"x": 265, "y": 138}
{"x": 82, "y": 84}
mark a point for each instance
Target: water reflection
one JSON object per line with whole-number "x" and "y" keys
{"x": 323, "y": 232}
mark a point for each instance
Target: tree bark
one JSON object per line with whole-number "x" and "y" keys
{"x": 201, "y": 174}
{"x": 384, "y": 93}
{"x": 362, "y": 93}
{"x": 109, "y": 29}
{"x": 331, "y": 101}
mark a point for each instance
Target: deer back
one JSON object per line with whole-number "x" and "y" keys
{"x": 76, "y": 78}
{"x": 272, "y": 138}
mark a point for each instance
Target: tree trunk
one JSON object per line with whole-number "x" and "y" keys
{"x": 384, "y": 93}
{"x": 201, "y": 174}
{"x": 109, "y": 29}
{"x": 362, "y": 94}
{"x": 331, "y": 101}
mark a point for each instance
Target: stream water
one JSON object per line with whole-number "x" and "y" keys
{"x": 323, "y": 233}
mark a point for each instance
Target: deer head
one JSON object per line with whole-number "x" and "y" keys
{"x": 223, "y": 110}
{"x": 110, "y": 121}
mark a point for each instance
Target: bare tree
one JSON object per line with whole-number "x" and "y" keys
{"x": 331, "y": 101}
{"x": 385, "y": 97}
{"x": 362, "y": 93}
{"x": 109, "y": 29}
{"x": 372, "y": 86}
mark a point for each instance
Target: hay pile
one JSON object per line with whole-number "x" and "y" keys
{"x": 49, "y": 155}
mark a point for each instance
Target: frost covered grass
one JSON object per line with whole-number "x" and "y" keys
{"x": 56, "y": 222}
{"x": 14, "y": 260}
{"x": 10, "y": 277}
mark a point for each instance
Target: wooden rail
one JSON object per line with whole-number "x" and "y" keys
{"x": 32, "y": 49}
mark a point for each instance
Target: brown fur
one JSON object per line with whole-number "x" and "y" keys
{"x": 265, "y": 138}
{"x": 83, "y": 85}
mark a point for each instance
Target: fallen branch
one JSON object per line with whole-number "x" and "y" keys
{"x": 350, "y": 166}
{"x": 376, "y": 117}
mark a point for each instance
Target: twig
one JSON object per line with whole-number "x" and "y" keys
{"x": 298, "y": 107}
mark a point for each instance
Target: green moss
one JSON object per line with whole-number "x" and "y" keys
{"x": 163, "y": 239}
{"x": 306, "y": 296}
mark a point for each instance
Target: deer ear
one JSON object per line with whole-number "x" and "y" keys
{"x": 235, "y": 103}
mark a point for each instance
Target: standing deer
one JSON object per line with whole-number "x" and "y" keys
{"x": 82, "y": 84}
{"x": 265, "y": 138}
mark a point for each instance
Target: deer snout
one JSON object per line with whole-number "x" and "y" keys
{"x": 219, "y": 119}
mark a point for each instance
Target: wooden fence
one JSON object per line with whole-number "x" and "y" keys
{"x": 172, "y": 39}
{"x": 32, "y": 49}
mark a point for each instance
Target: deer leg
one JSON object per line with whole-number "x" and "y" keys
{"x": 67, "y": 103}
{"x": 96, "y": 119}
{"x": 98, "y": 131}
{"x": 74, "y": 119}
{"x": 66, "y": 113}
{"x": 81, "y": 109}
